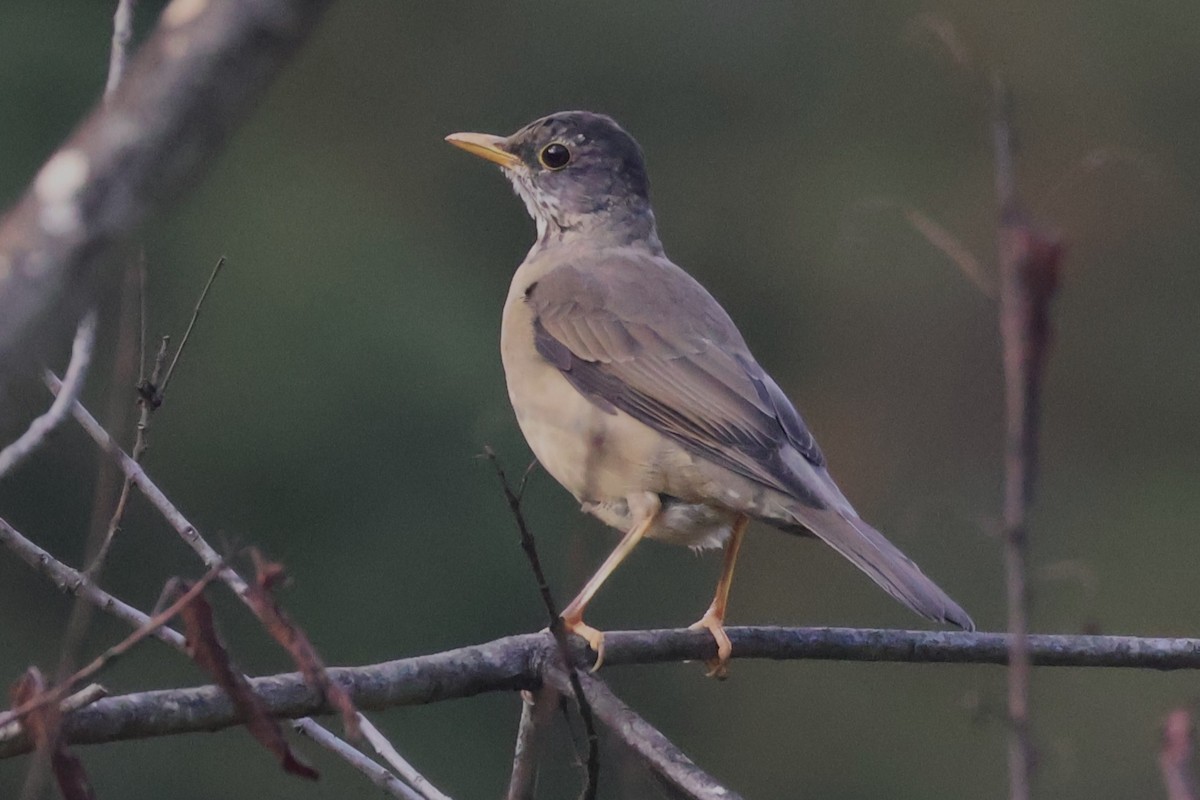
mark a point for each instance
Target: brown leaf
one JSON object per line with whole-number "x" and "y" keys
{"x": 268, "y": 575}
{"x": 205, "y": 647}
{"x": 44, "y": 724}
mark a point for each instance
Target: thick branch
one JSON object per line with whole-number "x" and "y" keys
{"x": 204, "y": 66}
{"x": 517, "y": 662}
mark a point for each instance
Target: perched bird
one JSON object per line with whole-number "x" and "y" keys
{"x": 636, "y": 391}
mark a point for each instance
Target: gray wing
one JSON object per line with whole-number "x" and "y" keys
{"x": 636, "y": 333}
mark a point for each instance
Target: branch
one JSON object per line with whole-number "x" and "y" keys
{"x": 1028, "y": 261}
{"x": 663, "y": 758}
{"x": 202, "y": 69}
{"x": 189, "y": 533}
{"x": 74, "y": 582}
{"x": 379, "y": 776}
{"x": 40, "y": 428}
{"x": 57, "y": 693}
{"x": 517, "y": 662}
{"x": 421, "y": 789}
{"x": 591, "y": 777}
{"x": 537, "y": 709}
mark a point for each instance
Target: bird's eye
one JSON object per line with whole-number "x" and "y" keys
{"x": 555, "y": 156}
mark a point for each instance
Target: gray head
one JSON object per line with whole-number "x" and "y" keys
{"x": 577, "y": 172}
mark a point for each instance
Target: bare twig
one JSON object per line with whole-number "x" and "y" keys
{"x": 140, "y": 443}
{"x": 161, "y": 389}
{"x": 517, "y": 662}
{"x": 85, "y": 696}
{"x": 196, "y": 76}
{"x": 78, "y": 584}
{"x": 134, "y": 473}
{"x": 557, "y": 629}
{"x": 398, "y": 763}
{"x": 953, "y": 249}
{"x": 40, "y": 428}
{"x": 378, "y": 775}
{"x": 151, "y": 393}
{"x": 1028, "y": 261}
{"x": 537, "y": 710}
{"x": 57, "y": 693}
{"x": 1175, "y": 759}
{"x": 665, "y": 759}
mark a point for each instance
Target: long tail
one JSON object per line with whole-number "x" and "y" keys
{"x": 895, "y": 572}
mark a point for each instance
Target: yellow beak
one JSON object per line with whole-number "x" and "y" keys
{"x": 486, "y": 146}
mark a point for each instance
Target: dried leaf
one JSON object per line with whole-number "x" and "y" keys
{"x": 44, "y": 725}
{"x": 268, "y": 575}
{"x": 205, "y": 647}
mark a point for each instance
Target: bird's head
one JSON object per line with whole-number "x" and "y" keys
{"x": 575, "y": 170}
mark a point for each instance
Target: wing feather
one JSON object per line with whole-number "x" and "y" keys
{"x": 636, "y": 333}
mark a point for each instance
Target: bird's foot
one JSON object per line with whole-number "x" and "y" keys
{"x": 718, "y": 667}
{"x": 593, "y": 637}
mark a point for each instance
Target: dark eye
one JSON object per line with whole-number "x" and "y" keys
{"x": 555, "y": 156}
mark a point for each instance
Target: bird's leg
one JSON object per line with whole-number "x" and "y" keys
{"x": 572, "y": 615}
{"x": 714, "y": 619}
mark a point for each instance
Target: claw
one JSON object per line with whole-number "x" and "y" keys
{"x": 718, "y": 667}
{"x": 593, "y": 637}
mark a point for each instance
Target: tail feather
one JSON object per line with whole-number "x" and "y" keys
{"x": 883, "y": 562}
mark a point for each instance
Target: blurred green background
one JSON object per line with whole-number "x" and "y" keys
{"x": 345, "y": 373}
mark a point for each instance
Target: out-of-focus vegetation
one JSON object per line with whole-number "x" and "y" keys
{"x": 346, "y": 373}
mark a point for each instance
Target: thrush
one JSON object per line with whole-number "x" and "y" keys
{"x": 636, "y": 391}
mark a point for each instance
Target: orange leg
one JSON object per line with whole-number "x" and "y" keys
{"x": 714, "y": 619}
{"x": 572, "y": 615}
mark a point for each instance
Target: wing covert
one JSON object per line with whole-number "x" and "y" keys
{"x": 664, "y": 352}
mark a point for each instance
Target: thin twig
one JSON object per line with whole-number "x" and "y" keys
{"x": 666, "y": 760}
{"x": 958, "y": 253}
{"x": 174, "y": 517}
{"x": 76, "y": 583}
{"x": 161, "y": 389}
{"x": 58, "y": 692}
{"x": 142, "y": 323}
{"x": 537, "y": 711}
{"x": 134, "y": 472}
{"x": 1028, "y": 265}
{"x": 140, "y": 443}
{"x": 398, "y": 763}
{"x": 40, "y": 428}
{"x": 557, "y": 629}
{"x": 380, "y": 776}
{"x": 84, "y": 697}
{"x": 1175, "y": 759}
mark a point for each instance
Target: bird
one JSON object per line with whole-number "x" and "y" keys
{"x": 637, "y": 393}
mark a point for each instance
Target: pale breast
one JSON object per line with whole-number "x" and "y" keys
{"x": 597, "y": 456}
{"x": 602, "y": 457}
